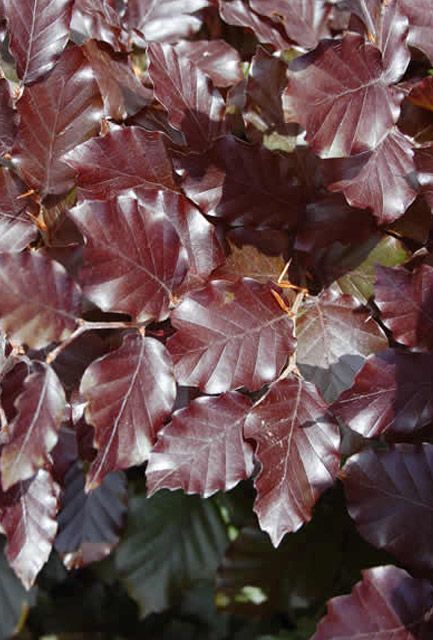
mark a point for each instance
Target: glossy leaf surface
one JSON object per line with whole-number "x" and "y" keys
{"x": 229, "y": 335}
{"x": 215, "y": 58}
{"x": 139, "y": 380}
{"x": 130, "y": 275}
{"x": 97, "y": 19}
{"x": 165, "y": 20}
{"x": 39, "y": 301}
{"x": 16, "y": 227}
{"x": 200, "y": 441}
{"x": 297, "y": 447}
{"x": 389, "y": 497}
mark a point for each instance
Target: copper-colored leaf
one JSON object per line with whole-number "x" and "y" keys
{"x": 129, "y": 394}
{"x": 230, "y": 335}
{"x": 34, "y": 431}
{"x": 202, "y": 450}
{"x": 133, "y": 258}
{"x": 39, "y": 302}
{"x": 297, "y": 447}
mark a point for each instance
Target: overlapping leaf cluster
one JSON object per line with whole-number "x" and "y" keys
{"x": 161, "y": 161}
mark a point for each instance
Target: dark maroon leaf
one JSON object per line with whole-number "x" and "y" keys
{"x": 251, "y": 263}
{"x": 421, "y": 93}
{"x": 12, "y": 380}
{"x": 71, "y": 362}
{"x": 303, "y": 20}
{"x": 16, "y": 227}
{"x": 382, "y": 180}
{"x": 121, "y": 90}
{"x": 388, "y": 603}
{"x": 334, "y": 89}
{"x": 8, "y": 117}
{"x": 216, "y": 58}
{"x": 202, "y": 450}
{"x": 65, "y": 453}
{"x": 90, "y": 525}
{"x": 392, "y": 392}
{"x": 98, "y": 19}
{"x": 133, "y": 258}
{"x": 297, "y": 447}
{"x": 129, "y": 394}
{"x": 405, "y": 300}
{"x": 424, "y": 165}
{"x": 196, "y": 234}
{"x": 27, "y": 516}
{"x": 38, "y": 31}
{"x": 165, "y": 20}
{"x": 194, "y": 106}
{"x": 230, "y": 335}
{"x": 155, "y": 118}
{"x": 333, "y": 336}
{"x": 419, "y": 13}
{"x": 389, "y": 496}
{"x": 243, "y": 184}
{"x": 39, "y": 301}
{"x": 240, "y": 14}
{"x": 56, "y": 115}
{"x": 34, "y": 431}
{"x": 121, "y": 160}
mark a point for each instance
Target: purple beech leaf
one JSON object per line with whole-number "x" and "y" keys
{"x": 303, "y": 20}
{"x": 165, "y": 20}
{"x": 90, "y": 524}
{"x": 28, "y": 518}
{"x": 393, "y": 392}
{"x": 421, "y": 94}
{"x": 129, "y": 394}
{"x": 334, "y": 335}
{"x": 333, "y": 91}
{"x": 38, "y": 31}
{"x": 388, "y": 495}
{"x": 194, "y": 106}
{"x": 98, "y": 20}
{"x": 202, "y": 450}
{"x": 65, "y": 453}
{"x": 420, "y": 16}
{"x": 240, "y": 14}
{"x": 382, "y": 179}
{"x": 405, "y": 301}
{"x": 124, "y": 159}
{"x": 56, "y": 115}
{"x": 196, "y": 234}
{"x": 133, "y": 257}
{"x": 388, "y": 603}
{"x": 8, "y": 117}
{"x": 424, "y": 165}
{"x": 39, "y": 302}
{"x": 243, "y": 184}
{"x": 230, "y": 335}
{"x": 121, "y": 90}
{"x": 297, "y": 447}
{"x": 216, "y": 58}
{"x": 249, "y": 262}
{"x": 11, "y": 385}
{"x": 155, "y": 118}
{"x": 16, "y": 227}
{"x": 35, "y": 429}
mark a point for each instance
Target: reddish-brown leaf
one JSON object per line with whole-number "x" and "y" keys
{"x": 421, "y": 94}
{"x": 334, "y": 90}
{"x": 99, "y": 20}
{"x": 420, "y": 16}
{"x": 27, "y": 516}
{"x": 129, "y": 394}
{"x": 250, "y": 262}
{"x": 382, "y": 180}
{"x": 405, "y": 300}
{"x": 230, "y": 335}
{"x": 39, "y": 302}
{"x": 56, "y": 115}
{"x": 424, "y": 165}
{"x": 388, "y": 494}
{"x": 38, "y": 31}
{"x": 392, "y": 392}
{"x": 34, "y": 431}
{"x": 334, "y": 335}
{"x": 388, "y": 603}
{"x": 202, "y": 450}
{"x": 240, "y": 14}
{"x": 165, "y": 20}
{"x": 133, "y": 257}
{"x": 194, "y": 106}
{"x": 297, "y": 447}
{"x": 124, "y": 159}
{"x": 90, "y": 524}
{"x": 216, "y": 58}
{"x": 243, "y": 184}
{"x": 16, "y": 227}
{"x": 8, "y": 117}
